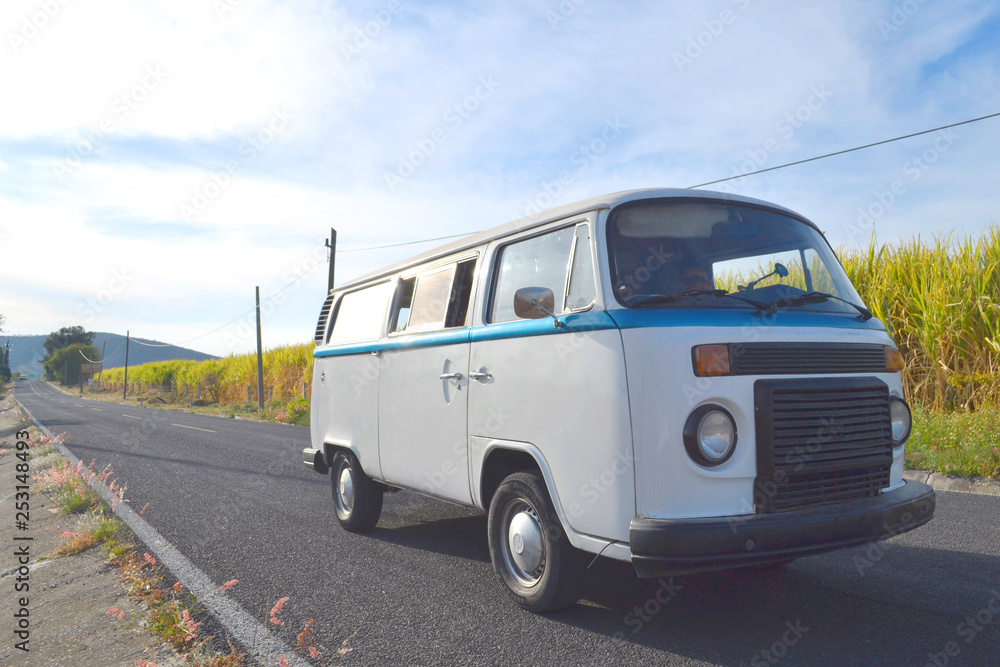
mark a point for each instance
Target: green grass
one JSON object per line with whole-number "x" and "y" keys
{"x": 957, "y": 443}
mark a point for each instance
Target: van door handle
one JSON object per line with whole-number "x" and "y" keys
{"x": 480, "y": 375}
{"x": 451, "y": 376}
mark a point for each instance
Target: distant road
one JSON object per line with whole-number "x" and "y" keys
{"x": 234, "y": 498}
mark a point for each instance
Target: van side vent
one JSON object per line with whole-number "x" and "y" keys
{"x": 324, "y": 315}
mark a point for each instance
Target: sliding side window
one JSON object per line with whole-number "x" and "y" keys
{"x": 434, "y": 300}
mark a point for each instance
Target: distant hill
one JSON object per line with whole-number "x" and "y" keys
{"x": 26, "y": 352}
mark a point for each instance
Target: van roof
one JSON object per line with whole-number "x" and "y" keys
{"x": 551, "y": 215}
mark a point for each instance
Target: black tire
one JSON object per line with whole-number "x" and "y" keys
{"x": 538, "y": 582}
{"x": 357, "y": 499}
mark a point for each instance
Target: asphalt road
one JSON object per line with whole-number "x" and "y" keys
{"x": 235, "y": 499}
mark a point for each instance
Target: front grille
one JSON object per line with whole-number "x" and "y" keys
{"x": 805, "y": 358}
{"x": 324, "y": 314}
{"x": 820, "y": 440}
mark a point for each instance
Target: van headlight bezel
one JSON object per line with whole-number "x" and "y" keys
{"x": 899, "y": 414}
{"x": 706, "y": 428}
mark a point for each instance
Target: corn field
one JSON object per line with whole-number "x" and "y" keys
{"x": 226, "y": 379}
{"x": 941, "y": 301}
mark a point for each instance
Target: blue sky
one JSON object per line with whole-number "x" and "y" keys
{"x": 160, "y": 159}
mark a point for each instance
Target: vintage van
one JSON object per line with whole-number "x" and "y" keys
{"x": 679, "y": 379}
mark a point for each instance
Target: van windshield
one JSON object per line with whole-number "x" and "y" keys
{"x": 717, "y": 255}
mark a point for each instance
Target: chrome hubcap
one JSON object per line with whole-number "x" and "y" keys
{"x": 525, "y": 547}
{"x": 345, "y": 490}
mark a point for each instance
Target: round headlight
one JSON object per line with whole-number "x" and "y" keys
{"x": 899, "y": 416}
{"x": 710, "y": 435}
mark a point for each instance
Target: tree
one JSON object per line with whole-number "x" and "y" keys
{"x": 64, "y": 365}
{"x": 65, "y": 337}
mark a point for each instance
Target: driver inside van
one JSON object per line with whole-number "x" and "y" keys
{"x": 696, "y": 277}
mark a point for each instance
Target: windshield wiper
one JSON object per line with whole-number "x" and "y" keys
{"x": 819, "y": 297}
{"x": 667, "y": 298}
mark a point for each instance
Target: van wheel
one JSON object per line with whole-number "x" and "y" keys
{"x": 357, "y": 499}
{"x": 531, "y": 554}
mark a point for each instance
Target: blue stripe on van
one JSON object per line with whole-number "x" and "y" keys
{"x": 575, "y": 323}
{"x": 597, "y": 320}
{"x": 737, "y": 317}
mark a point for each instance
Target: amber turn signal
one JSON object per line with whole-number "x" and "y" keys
{"x": 893, "y": 360}
{"x": 711, "y": 360}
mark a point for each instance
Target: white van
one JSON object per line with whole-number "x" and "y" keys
{"x": 679, "y": 379}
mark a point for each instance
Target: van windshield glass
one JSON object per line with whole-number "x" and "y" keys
{"x": 700, "y": 255}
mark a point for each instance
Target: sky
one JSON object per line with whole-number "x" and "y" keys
{"x": 159, "y": 160}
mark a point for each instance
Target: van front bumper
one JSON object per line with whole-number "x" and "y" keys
{"x": 662, "y": 547}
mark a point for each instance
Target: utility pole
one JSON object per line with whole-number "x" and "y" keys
{"x": 332, "y": 245}
{"x": 100, "y": 373}
{"x": 125, "y": 387}
{"x": 260, "y": 360}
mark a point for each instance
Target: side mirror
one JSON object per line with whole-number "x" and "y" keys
{"x": 533, "y": 303}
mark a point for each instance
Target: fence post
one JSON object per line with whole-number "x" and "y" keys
{"x": 199, "y": 389}
{"x": 303, "y": 389}
{"x": 248, "y": 393}
{"x": 270, "y": 392}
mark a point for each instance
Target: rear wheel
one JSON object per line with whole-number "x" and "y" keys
{"x": 357, "y": 499}
{"x": 531, "y": 554}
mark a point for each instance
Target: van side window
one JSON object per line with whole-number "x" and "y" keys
{"x": 560, "y": 260}
{"x": 434, "y": 300}
{"x": 359, "y": 314}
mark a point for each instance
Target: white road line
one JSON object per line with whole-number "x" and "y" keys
{"x": 195, "y": 428}
{"x": 96, "y": 409}
{"x": 61, "y": 401}
{"x": 264, "y": 647}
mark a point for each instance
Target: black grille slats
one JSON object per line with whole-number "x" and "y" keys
{"x": 324, "y": 314}
{"x": 820, "y": 440}
{"x": 800, "y": 358}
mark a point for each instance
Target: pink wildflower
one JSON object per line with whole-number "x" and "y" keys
{"x": 188, "y": 625}
{"x": 228, "y": 586}
{"x": 276, "y": 609}
{"x": 282, "y": 662}
{"x": 314, "y": 653}
{"x": 149, "y": 559}
{"x": 178, "y": 588}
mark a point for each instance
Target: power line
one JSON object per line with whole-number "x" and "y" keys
{"x": 690, "y": 187}
{"x": 236, "y": 319}
{"x": 848, "y": 150}
{"x": 396, "y": 245}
